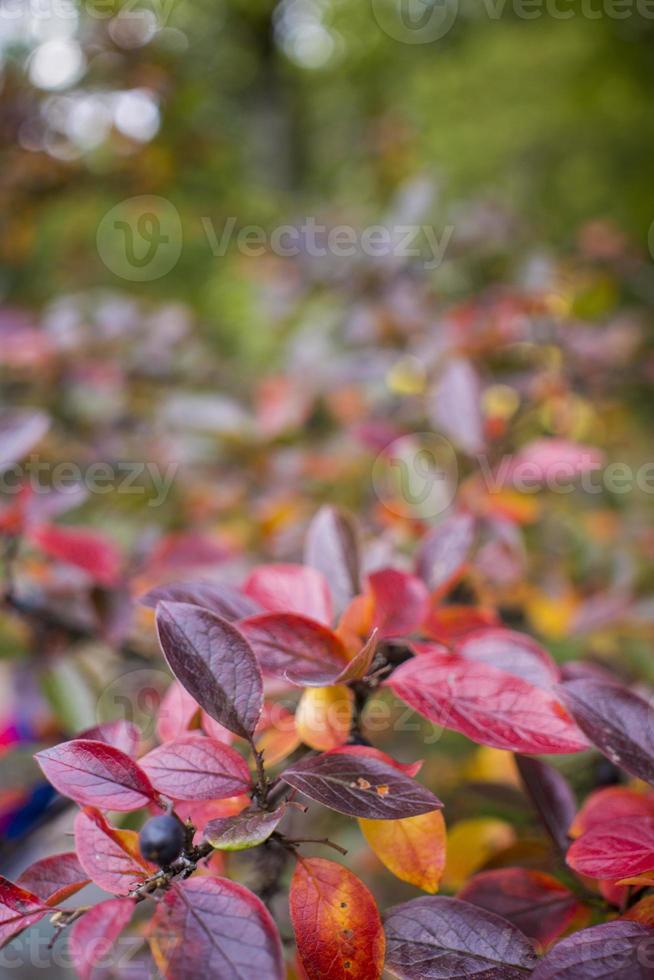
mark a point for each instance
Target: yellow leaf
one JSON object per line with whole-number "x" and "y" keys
{"x": 489, "y": 765}
{"x": 470, "y": 844}
{"x": 412, "y": 849}
{"x": 324, "y": 716}
{"x": 551, "y": 615}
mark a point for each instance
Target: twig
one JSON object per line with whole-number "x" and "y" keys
{"x": 293, "y": 842}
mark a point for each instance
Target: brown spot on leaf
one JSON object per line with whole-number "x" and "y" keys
{"x": 363, "y": 783}
{"x": 382, "y": 790}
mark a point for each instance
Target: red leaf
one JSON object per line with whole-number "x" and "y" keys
{"x": 361, "y": 663}
{"x": 96, "y": 774}
{"x": 443, "y": 553}
{"x": 408, "y": 768}
{"x": 215, "y": 664}
{"x": 448, "y": 624}
{"x": 195, "y": 767}
{"x": 547, "y": 460}
{"x": 187, "y": 549}
{"x": 516, "y": 653}
{"x": 123, "y": 735}
{"x": 291, "y": 589}
{"x": 18, "y": 909}
{"x": 332, "y": 547}
{"x": 298, "y": 649}
{"x": 609, "y": 804}
{"x": 616, "y": 720}
{"x": 360, "y": 786}
{"x": 619, "y": 849}
{"x": 85, "y": 548}
{"x": 211, "y": 927}
{"x": 177, "y": 712}
{"x": 337, "y": 926}
{"x": 20, "y": 430}
{"x": 111, "y": 858}
{"x": 401, "y": 602}
{"x": 94, "y": 936}
{"x": 435, "y": 938}
{"x": 218, "y": 597}
{"x": 219, "y": 732}
{"x": 536, "y": 903}
{"x": 53, "y": 879}
{"x": 619, "y": 950}
{"x": 486, "y": 704}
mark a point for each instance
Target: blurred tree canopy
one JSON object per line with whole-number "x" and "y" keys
{"x": 267, "y": 111}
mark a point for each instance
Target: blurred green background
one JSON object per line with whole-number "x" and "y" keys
{"x": 270, "y": 111}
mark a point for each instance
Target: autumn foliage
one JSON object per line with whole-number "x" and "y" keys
{"x": 386, "y": 745}
{"x": 231, "y": 651}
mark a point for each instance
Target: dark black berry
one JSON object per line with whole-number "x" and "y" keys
{"x": 161, "y": 840}
{"x": 606, "y": 774}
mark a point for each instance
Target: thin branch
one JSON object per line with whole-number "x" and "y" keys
{"x": 295, "y": 841}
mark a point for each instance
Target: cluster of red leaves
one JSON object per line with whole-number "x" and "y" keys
{"x": 324, "y": 628}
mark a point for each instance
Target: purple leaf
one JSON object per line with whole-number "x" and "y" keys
{"x": 20, "y": 430}
{"x": 551, "y": 796}
{"x": 214, "y": 662}
{"x": 195, "y": 767}
{"x": 444, "y": 551}
{"x": 616, "y": 720}
{"x": 360, "y": 786}
{"x": 219, "y": 598}
{"x": 615, "y": 950}
{"x": 455, "y": 406}
{"x": 332, "y": 546}
{"x": 436, "y": 938}
{"x": 536, "y": 903}
{"x": 212, "y": 927}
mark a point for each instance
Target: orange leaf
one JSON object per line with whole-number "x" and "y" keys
{"x": 642, "y": 911}
{"x": 412, "y": 849}
{"x": 336, "y": 922}
{"x": 324, "y": 716}
{"x": 276, "y": 735}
